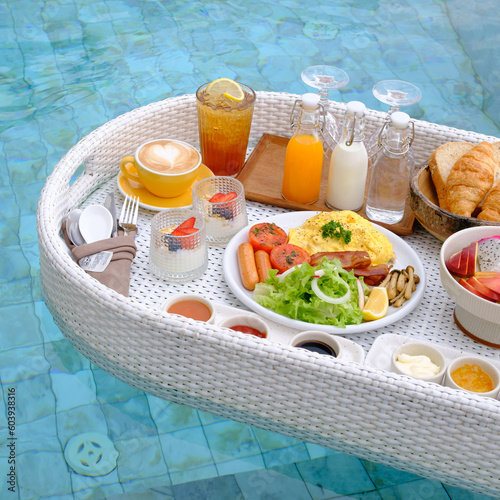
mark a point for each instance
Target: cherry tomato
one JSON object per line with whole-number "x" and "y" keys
{"x": 285, "y": 256}
{"x": 265, "y": 236}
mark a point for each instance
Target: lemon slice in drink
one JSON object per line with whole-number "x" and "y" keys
{"x": 377, "y": 304}
{"x": 226, "y": 87}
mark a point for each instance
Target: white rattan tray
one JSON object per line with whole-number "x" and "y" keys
{"x": 424, "y": 428}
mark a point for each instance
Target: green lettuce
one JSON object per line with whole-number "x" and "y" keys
{"x": 292, "y": 296}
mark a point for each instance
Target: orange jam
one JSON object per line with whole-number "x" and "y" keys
{"x": 472, "y": 378}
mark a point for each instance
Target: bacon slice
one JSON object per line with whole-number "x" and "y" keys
{"x": 348, "y": 259}
{"x": 372, "y": 275}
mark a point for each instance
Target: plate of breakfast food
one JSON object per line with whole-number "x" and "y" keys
{"x": 317, "y": 271}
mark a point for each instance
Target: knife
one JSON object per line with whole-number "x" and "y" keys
{"x": 109, "y": 203}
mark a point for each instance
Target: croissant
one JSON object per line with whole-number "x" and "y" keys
{"x": 491, "y": 205}
{"x": 471, "y": 177}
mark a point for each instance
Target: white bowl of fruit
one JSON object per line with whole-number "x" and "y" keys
{"x": 470, "y": 272}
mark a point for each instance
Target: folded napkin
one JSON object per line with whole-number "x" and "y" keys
{"x": 116, "y": 274}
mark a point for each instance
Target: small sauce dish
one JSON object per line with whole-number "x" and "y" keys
{"x": 246, "y": 323}
{"x": 473, "y": 374}
{"x": 191, "y": 306}
{"x": 419, "y": 360}
{"x": 319, "y": 342}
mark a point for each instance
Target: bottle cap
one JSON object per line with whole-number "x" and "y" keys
{"x": 310, "y": 100}
{"x": 356, "y": 108}
{"x": 400, "y": 119}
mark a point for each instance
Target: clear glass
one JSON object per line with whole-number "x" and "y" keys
{"x": 390, "y": 175}
{"x": 177, "y": 258}
{"x": 222, "y": 219}
{"x": 325, "y": 78}
{"x": 304, "y": 159}
{"x": 224, "y": 129}
{"x": 395, "y": 93}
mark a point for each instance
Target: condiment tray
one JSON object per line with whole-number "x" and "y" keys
{"x": 283, "y": 334}
{"x": 381, "y": 351}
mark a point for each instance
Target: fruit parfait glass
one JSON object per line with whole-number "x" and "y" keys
{"x": 221, "y": 201}
{"x": 178, "y": 248}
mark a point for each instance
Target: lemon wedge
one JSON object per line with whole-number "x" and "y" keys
{"x": 377, "y": 304}
{"x": 226, "y": 87}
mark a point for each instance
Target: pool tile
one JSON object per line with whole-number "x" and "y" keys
{"x": 273, "y": 484}
{"x": 129, "y": 419}
{"x": 423, "y": 488}
{"x": 335, "y": 474}
{"x": 43, "y": 471}
{"x": 40, "y": 434}
{"x": 271, "y": 441}
{"x": 170, "y": 417}
{"x": 290, "y": 454}
{"x": 21, "y": 366}
{"x": 210, "y": 418}
{"x": 63, "y": 357}
{"x": 48, "y": 328}
{"x": 316, "y": 451}
{"x": 456, "y": 493}
{"x": 73, "y": 389}
{"x": 230, "y": 440}
{"x": 109, "y": 389}
{"x": 188, "y": 475}
{"x": 383, "y": 476}
{"x": 88, "y": 487}
{"x": 141, "y": 458}
{"x": 79, "y": 420}
{"x": 217, "y": 488}
{"x": 186, "y": 449}
{"x": 23, "y": 328}
{"x": 241, "y": 465}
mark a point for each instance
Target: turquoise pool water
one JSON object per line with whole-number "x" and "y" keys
{"x": 69, "y": 66}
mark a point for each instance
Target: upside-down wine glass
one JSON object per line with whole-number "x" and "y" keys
{"x": 396, "y": 93}
{"x": 324, "y": 78}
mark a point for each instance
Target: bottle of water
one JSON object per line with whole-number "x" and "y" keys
{"x": 390, "y": 173}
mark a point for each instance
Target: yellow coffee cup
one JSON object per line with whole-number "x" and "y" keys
{"x": 165, "y": 167}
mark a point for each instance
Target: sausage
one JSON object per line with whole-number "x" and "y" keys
{"x": 248, "y": 268}
{"x": 263, "y": 264}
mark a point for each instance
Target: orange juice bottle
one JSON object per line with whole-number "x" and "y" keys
{"x": 304, "y": 155}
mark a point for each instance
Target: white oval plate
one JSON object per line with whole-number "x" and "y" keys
{"x": 405, "y": 256}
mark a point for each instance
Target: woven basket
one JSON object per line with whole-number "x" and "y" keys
{"x": 404, "y": 423}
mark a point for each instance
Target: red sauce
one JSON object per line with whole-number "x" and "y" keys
{"x": 250, "y": 330}
{"x": 190, "y": 309}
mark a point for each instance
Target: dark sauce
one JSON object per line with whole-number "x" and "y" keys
{"x": 317, "y": 346}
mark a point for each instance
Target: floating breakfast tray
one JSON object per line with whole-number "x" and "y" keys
{"x": 434, "y": 431}
{"x": 262, "y": 176}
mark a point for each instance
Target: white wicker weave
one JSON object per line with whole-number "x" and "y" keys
{"x": 423, "y": 428}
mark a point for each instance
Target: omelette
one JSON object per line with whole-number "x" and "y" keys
{"x": 364, "y": 237}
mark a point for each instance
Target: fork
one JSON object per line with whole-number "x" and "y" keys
{"x": 128, "y": 215}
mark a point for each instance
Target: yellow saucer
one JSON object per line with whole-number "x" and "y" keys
{"x": 152, "y": 202}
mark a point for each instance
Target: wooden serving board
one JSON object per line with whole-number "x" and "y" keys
{"x": 262, "y": 177}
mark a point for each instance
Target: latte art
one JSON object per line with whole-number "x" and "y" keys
{"x": 168, "y": 157}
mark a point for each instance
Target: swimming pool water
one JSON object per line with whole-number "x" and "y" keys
{"x": 69, "y": 66}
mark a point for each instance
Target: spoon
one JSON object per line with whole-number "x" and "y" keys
{"x": 96, "y": 223}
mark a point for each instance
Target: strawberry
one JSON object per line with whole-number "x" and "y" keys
{"x": 187, "y": 224}
{"x": 221, "y": 197}
{"x": 217, "y": 198}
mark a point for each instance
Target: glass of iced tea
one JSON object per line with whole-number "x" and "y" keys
{"x": 225, "y": 110}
